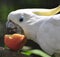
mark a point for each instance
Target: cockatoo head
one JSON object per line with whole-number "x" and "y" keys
{"x": 17, "y": 21}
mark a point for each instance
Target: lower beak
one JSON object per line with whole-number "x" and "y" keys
{"x": 11, "y": 30}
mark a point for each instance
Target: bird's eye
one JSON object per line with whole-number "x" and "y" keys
{"x": 21, "y": 19}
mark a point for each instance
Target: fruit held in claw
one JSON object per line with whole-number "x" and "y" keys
{"x": 15, "y": 41}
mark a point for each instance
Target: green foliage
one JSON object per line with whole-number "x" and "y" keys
{"x": 28, "y": 51}
{"x": 4, "y": 10}
{"x": 3, "y": 13}
{"x": 36, "y": 52}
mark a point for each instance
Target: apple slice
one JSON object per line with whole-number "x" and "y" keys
{"x": 15, "y": 41}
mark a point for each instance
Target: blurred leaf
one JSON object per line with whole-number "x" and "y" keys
{"x": 5, "y": 47}
{"x": 26, "y": 48}
{"x": 39, "y": 52}
{"x": 26, "y": 53}
{"x": 36, "y": 52}
{"x": 4, "y": 12}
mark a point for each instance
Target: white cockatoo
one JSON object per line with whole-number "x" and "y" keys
{"x": 41, "y": 28}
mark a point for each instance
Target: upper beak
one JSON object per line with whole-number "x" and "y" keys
{"x": 13, "y": 28}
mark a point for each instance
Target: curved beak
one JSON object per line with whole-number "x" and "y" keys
{"x": 12, "y": 28}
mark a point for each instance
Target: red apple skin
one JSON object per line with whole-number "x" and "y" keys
{"x": 15, "y": 41}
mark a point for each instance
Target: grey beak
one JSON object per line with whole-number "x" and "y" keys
{"x": 12, "y": 28}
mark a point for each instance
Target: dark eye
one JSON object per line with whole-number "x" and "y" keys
{"x": 21, "y": 19}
